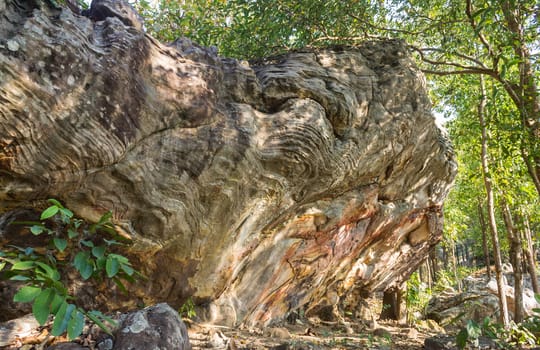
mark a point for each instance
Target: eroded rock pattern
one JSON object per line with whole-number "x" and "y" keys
{"x": 255, "y": 189}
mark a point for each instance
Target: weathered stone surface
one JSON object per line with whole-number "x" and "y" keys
{"x": 17, "y": 328}
{"x": 256, "y": 190}
{"x": 101, "y": 9}
{"x": 452, "y": 308}
{"x": 449, "y": 343}
{"x": 440, "y": 343}
{"x": 155, "y": 327}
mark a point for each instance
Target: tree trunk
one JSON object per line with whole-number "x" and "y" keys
{"x": 446, "y": 257}
{"x": 429, "y": 273}
{"x": 467, "y": 255}
{"x": 454, "y": 266}
{"x": 484, "y": 238}
{"x": 516, "y": 259}
{"x": 424, "y": 272}
{"x": 528, "y": 251}
{"x": 491, "y": 210}
{"x": 434, "y": 260}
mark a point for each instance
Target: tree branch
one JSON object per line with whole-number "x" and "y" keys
{"x": 457, "y": 54}
{"x": 480, "y": 68}
{"x": 483, "y": 40}
{"x": 457, "y": 72}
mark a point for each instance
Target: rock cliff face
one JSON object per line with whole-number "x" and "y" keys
{"x": 255, "y": 189}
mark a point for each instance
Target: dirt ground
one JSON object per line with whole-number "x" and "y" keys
{"x": 292, "y": 334}
{"x": 306, "y": 334}
{"x": 314, "y": 335}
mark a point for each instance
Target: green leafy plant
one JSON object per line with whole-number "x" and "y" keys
{"x": 470, "y": 333}
{"x": 70, "y": 243}
{"x": 517, "y": 335}
{"x": 445, "y": 279}
{"x": 532, "y": 323}
{"x": 187, "y": 309}
{"x": 510, "y": 338}
{"x": 416, "y": 297}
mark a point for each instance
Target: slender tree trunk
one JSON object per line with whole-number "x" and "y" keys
{"x": 491, "y": 210}
{"x": 484, "y": 239}
{"x": 467, "y": 255}
{"x": 457, "y": 254}
{"x": 454, "y": 265}
{"x": 429, "y": 273}
{"x": 422, "y": 272}
{"x": 529, "y": 254}
{"x": 516, "y": 260}
{"x": 445, "y": 257}
{"x": 531, "y": 168}
{"x": 434, "y": 263}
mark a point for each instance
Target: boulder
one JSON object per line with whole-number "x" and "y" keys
{"x": 454, "y": 309}
{"x": 158, "y": 325}
{"x": 12, "y": 330}
{"x": 155, "y": 327}
{"x": 477, "y": 300}
{"x": 444, "y": 342}
{"x": 255, "y": 188}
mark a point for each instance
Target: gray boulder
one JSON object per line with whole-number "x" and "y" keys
{"x": 155, "y": 327}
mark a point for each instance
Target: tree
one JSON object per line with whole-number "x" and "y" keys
{"x": 528, "y": 251}
{"x": 491, "y": 207}
{"x": 508, "y": 176}
{"x": 255, "y": 29}
{"x": 485, "y": 248}
{"x": 491, "y": 38}
{"x": 515, "y": 259}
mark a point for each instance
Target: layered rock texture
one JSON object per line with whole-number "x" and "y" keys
{"x": 255, "y": 189}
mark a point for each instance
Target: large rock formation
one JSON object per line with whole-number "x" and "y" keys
{"x": 256, "y": 189}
